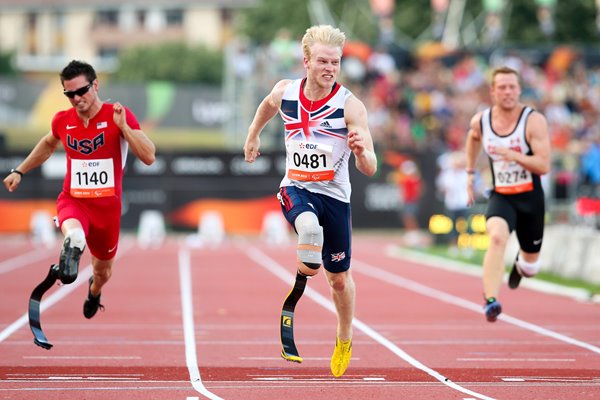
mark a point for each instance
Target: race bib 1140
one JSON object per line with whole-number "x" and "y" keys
{"x": 92, "y": 178}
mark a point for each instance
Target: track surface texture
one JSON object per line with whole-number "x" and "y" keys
{"x": 187, "y": 322}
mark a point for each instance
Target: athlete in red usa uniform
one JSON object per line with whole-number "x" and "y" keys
{"x": 96, "y": 137}
{"x": 515, "y": 139}
{"x": 324, "y": 125}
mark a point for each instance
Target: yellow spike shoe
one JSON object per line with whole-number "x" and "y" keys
{"x": 341, "y": 357}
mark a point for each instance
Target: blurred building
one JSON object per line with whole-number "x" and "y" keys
{"x": 46, "y": 33}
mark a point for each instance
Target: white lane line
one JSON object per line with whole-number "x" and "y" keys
{"x": 263, "y": 260}
{"x": 279, "y": 358}
{"x": 22, "y": 260}
{"x": 82, "y": 357}
{"x": 396, "y": 280}
{"x": 185, "y": 282}
{"x": 518, "y": 359}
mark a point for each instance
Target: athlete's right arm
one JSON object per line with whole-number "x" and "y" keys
{"x": 40, "y": 153}
{"x": 472, "y": 150}
{"x": 267, "y": 109}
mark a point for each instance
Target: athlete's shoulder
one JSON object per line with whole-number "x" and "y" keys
{"x": 283, "y": 84}
{"x": 353, "y": 103}
{"x": 536, "y": 121}
{"x": 64, "y": 114}
{"x": 536, "y": 114}
{"x": 279, "y": 90}
{"x": 476, "y": 119}
{"x": 63, "y": 117}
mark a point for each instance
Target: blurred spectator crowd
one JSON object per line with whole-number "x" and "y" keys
{"x": 423, "y": 101}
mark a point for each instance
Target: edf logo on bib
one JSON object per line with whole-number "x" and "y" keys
{"x": 308, "y": 146}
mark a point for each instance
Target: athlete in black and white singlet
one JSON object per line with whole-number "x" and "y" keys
{"x": 509, "y": 177}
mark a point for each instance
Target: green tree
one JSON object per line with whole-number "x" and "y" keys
{"x": 175, "y": 62}
{"x": 575, "y": 23}
{"x": 575, "y": 20}
{"x": 6, "y": 64}
{"x": 262, "y": 22}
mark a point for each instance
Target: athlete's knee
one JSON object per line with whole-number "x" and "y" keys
{"x": 73, "y": 246}
{"x": 497, "y": 239}
{"x": 309, "y": 230}
{"x": 339, "y": 282}
{"x": 102, "y": 269}
{"x": 310, "y": 243}
{"x": 528, "y": 268}
{"x": 77, "y": 238}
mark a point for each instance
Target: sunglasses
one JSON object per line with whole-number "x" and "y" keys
{"x": 78, "y": 92}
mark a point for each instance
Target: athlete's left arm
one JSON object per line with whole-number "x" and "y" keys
{"x": 140, "y": 144}
{"x": 539, "y": 142}
{"x": 359, "y": 136}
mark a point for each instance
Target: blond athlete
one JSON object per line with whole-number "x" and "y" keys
{"x": 324, "y": 124}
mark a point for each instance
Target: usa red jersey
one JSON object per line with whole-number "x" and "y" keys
{"x": 96, "y": 154}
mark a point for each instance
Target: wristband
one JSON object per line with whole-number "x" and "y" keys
{"x": 16, "y": 171}
{"x": 471, "y": 171}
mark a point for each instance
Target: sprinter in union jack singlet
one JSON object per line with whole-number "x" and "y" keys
{"x": 515, "y": 139}
{"x": 324, "y": 125}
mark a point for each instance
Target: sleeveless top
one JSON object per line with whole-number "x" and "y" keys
{"x": 317, "y": 152}
{"x": 509, "y": 177}
{"x": 96, "y": 154}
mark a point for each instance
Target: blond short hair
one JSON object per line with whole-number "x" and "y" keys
{"x": 324, "y": 34}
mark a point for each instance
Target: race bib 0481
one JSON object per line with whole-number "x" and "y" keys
{"x": 309, "y": 161}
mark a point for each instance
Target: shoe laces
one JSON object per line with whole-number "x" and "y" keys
{"x": 345, "y": 345}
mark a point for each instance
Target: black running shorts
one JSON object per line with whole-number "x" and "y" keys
{"x": 524, "y": 213}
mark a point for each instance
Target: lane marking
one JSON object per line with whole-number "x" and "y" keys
{"x": 279, "y": 358}
{"x": 264, "y": 261}
{"x": 560, "y": 379}
{"x": 82, "y": 357}
{"x": 396, "y": 280}
{"x": 519, "y": 359}
{"x": 22, "y": 260}
{"x": 187, "y": 313}
{"x": 329, "y": 378}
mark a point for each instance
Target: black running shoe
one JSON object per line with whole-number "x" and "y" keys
{"x": 492, "y": 309}
{"x": 92, "y": 303}
{"x": 68, "y": 265}
{"x": 514, "y": 279}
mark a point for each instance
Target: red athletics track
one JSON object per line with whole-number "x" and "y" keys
{"x": 176, "y": 314}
